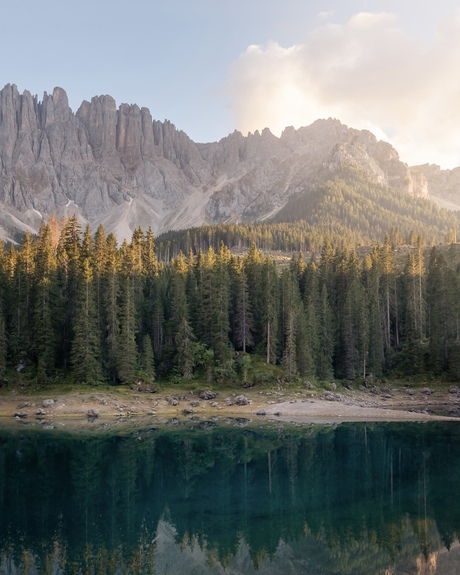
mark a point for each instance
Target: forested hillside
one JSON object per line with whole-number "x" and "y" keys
{"x": 76, "y": 304}
{"x": 346, "y": 212}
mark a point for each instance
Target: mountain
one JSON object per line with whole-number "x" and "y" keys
{"x": 120, "y": 168}
{"x": 346, "y": 211}
{"x": 444, "y": 185}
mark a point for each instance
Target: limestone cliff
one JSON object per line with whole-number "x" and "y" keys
{"x": 443, "y": 185}
{"x": 121, "y": 168}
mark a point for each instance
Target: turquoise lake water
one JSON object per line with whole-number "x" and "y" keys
{"x": 370, "y": 499}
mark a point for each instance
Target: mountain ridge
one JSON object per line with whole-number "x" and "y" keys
{"x": 119, "y": 167}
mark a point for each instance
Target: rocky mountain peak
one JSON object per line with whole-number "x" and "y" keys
{"x": 119, "y": 167}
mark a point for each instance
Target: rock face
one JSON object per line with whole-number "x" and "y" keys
{"x": 444, "y": 185}
{"x": 118, "y": 167}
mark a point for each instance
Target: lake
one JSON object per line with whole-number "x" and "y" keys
{"x": 198, "y": 498}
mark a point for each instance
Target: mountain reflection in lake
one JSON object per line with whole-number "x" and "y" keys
{"x": 371, "y": 499}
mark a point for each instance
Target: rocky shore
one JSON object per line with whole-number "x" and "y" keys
{"x": 389, "y": 403}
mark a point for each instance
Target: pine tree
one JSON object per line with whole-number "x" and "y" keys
{"x": 98, "y": 257}
{"x": 327, "y": 272}
{"x": 289, "y": 359}
{"x": 185, "y": 360}
{"x": 389, "y": 301}
{"x": 3, "y": 342}
{"x": 151, "y": 270}
{"x": 353, "y": 329}
{"x": 298, "y": 267}
{"x": 20, "y": 299}
{"x": 43, "y": 334}
{"x": 158, "y": 314}
{"x": 415, "y": 310}
{"x": 126, "y": 360}
{"x": 220, "y": 303}
{"x": 291, "y": 309}
{"x": 111, "y": 290}
{"x": 68, "y": 267}
{"x": 3, "y": 339}
{"x": 181, "y": 331}
{"x": 253, "y": 267}
{"x": 443, "y": 312}
{"x": 149, "y": 259}
{"x": 372, "y": 285}
{"x": 453, "y": 325}
{"x": 438, "y": 310}
{"x": 147, "y": 358}
{"x": 243, "y": 317}
{"x": 269, "y": 317}
{"x": 213, "y": 296}
{"x": 324, "y": 366}
{"x": 310, "y": 341}
{"x": 86, "y": 352}
{"x": 137, "y": 257}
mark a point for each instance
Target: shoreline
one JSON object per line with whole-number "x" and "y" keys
{"x": 287, "y": 405}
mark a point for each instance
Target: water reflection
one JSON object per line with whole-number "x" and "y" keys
{"x": 352, "y": 499}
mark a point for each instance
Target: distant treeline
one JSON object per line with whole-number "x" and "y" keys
{"x": 76, "y": 304}
{"x": 347, "y": 212}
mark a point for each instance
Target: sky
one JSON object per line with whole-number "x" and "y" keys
{"x": 213, "y": 66}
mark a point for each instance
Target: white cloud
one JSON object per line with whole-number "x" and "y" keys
{"x": 367, "y": 73}
{"x": 326, "y": 15}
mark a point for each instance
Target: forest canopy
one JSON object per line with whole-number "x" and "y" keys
{"x": 74, "y": 304}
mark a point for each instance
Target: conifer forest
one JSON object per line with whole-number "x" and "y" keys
{"x": 77, "y": 305}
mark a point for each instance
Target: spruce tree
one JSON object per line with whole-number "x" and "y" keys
{"x": 3, "y": 342}
{"x": 353, "y": 329}
{"x": 20, "y": 300}
{"x": 150, "y": 270}
{"x": 289, "y": 359}
{"x": 86, "y": 352}
{"x": 372, "y": 285}
{"x": 98, "y": 263}
{"x": 213, "y": 300}
{"x": 3, "y": 339}
{"x": 389, "y": 301}
{"x": 269, "y": 294}
{"x": 253, "y": 267}
{"x": 291, "y": 309}
{"x": 147, "y": 358}
{"x": 307, "y": 344}
{"x": 414, "y": 313}
{"x": 44, "y": 336}
{"x": 182, "y": 335}
{"x": 220, "y": 304}
{"x": 126, "y": 360}
{"x": 185, "y": 359}
{"x": 325, "y": 353}
{"x": 438, "y": 310}
{"x": 137, "y": 257}
{"x": 111, "y": 290}
{"x": 68, "y": 267}
{"x": 243, "y": 323}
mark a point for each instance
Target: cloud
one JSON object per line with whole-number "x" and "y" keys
{"x": 326, "y": 15}
{"x": 369, "y": 74}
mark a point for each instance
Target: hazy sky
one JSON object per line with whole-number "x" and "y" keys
{"x": 210, "y": 66}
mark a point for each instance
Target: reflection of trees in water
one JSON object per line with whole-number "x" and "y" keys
{"x": 365, "y": 495}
